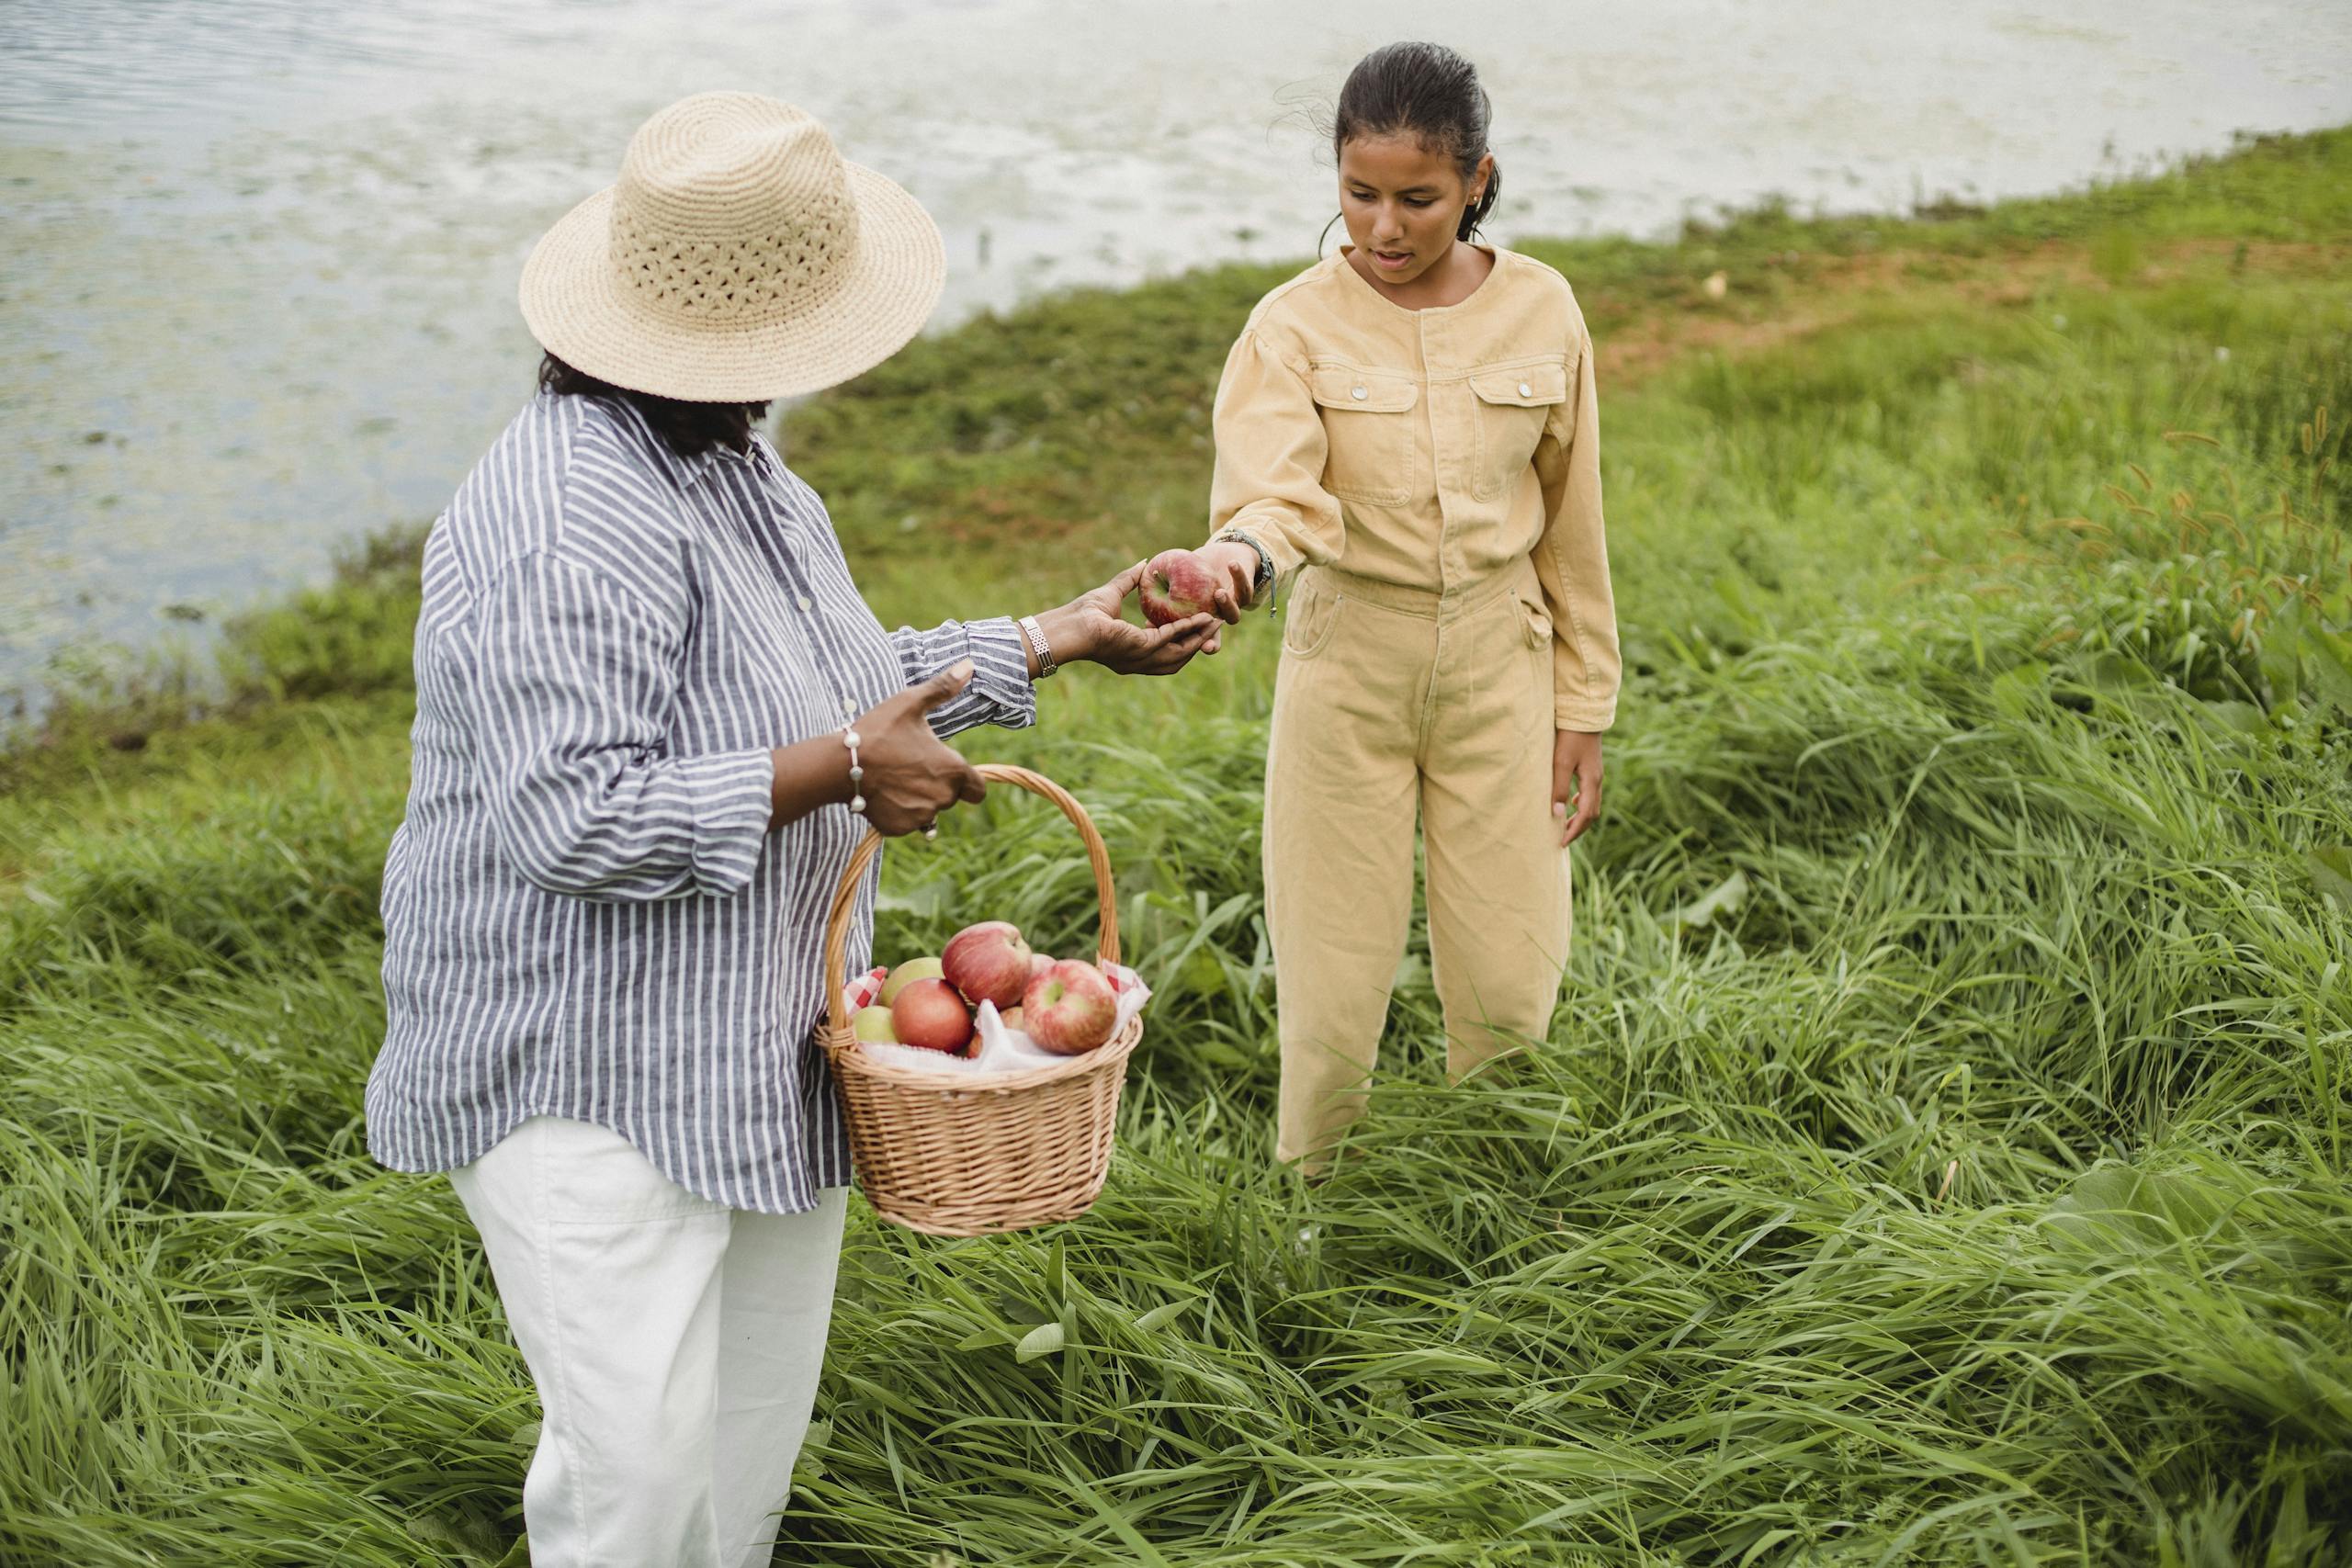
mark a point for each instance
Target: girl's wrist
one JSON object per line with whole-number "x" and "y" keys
{"x": 1247, "y": 559}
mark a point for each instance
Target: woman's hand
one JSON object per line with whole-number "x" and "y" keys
{"x": 1576, "y": 779}
{"x": 911, "y": 777}
{"x": 1089, "y": 630}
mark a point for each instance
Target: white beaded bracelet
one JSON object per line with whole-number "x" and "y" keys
{"x": 850, "y": 738}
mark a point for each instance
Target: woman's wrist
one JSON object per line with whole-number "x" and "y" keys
{"x": 1068, "y": 632}
{"x": 808, "y": 775}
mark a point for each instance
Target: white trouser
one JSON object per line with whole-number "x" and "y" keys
{"x": 675, "y": 1343}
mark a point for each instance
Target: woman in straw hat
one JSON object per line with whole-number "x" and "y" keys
{"x": 653, "y": 721}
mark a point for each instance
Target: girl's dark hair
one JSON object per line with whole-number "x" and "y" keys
{"x": 689, "y": 429}
{"x": 1428, "y": 90}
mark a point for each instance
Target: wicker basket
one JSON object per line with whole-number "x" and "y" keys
{"x": 1002, "y": 1152}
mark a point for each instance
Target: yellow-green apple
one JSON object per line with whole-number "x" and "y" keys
{"x": 873, "y": 1025}
{"x": 906, "y": 974}
{"x": 1070, "y": 1007}
{"x": 1177, "y": 584}
{"x": 930, "y": 1014}
{"x": 988, "y": 963}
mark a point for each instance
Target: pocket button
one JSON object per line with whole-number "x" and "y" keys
{"x": 1361, "y": 394}
{"x": 1525, "y": 391}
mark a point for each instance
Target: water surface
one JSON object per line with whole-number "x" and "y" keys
{"x": 260, "y": 256}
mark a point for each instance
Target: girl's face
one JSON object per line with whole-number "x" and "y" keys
{"x": 1403, "y": 203}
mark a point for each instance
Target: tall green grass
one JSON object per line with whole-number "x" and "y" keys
{"x": 1939, "y": 1155}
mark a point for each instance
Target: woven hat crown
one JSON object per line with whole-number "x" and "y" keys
{"x": 731, "y": 210}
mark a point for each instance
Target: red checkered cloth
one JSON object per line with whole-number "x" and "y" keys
{"x": 860, "y": 992}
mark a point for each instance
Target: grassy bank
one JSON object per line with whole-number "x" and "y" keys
{"x": 1940, "y": 1155}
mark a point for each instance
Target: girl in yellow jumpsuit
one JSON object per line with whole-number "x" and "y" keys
{"x": 1406, "y": 436}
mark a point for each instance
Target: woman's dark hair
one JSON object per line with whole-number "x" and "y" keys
{"x": 1427, "y": 91}
{"x": 689, "y": 429}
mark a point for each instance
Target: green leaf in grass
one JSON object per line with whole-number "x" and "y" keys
{"x": 2330, "y": 666}
{"x": 2330, "y": 869}
{"x": 1045, "y": 1339}
{"x": 1162, "y": 1315}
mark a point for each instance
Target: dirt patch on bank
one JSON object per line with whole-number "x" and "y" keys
{"x": 1795, "y": 296}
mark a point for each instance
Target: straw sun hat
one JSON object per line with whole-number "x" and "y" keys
{"x": 739, "y": 258}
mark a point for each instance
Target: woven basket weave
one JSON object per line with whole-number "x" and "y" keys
{"x": 995, "y": 1152}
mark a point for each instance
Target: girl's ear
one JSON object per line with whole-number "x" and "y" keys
{"x": 1485, "y": 172}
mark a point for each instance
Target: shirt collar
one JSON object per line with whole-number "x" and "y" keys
{"x": 685, "y": 472}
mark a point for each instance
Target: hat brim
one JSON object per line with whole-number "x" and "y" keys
{"x": 578, "y": 309}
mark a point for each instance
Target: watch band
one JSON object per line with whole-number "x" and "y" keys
{"x": 1037, "y": 645}
{"x": 1264, "y": 578}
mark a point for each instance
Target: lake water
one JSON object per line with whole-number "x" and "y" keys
{"x": 259, "y": 256}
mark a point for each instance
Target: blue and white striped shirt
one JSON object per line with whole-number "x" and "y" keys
{"x": 585, "y": 912}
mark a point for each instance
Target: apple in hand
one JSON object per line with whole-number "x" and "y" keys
{"x": 1177, "y": 584}
{"x": 873, "y": 1025}
{"x": 988, "y": 963}
{"x": 906, "y": 974}
{"x": 931, "y": 1015}
{"x": 1070, "y": 1007}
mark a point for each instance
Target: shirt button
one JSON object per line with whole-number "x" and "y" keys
{"x": 1361, "y": 394}
{"x": 802, "y": 602}
{"x": 1525, "y": 391}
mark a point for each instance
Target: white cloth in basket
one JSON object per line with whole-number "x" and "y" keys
{"x": 1001, "y": 1050}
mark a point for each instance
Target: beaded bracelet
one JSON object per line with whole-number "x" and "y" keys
{"x": 850, "y": 737}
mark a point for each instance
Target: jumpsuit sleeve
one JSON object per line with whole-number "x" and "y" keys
{"x": 574, "y": 677}
{"x": 1572, "y": 558}
{"x": 1000, "y": 691}
{"x": 1269, "y": 454}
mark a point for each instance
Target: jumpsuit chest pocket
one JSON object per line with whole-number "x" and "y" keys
{"x": 1368, "y": 432}
{"x": 1511, "y": 408}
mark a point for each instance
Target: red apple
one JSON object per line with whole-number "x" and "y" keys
{"x": 988, "y": 963}
{"x": 1177, "y": 584}
{"x": 930, "y": 1014}
{"x": 1070, "y": 1007}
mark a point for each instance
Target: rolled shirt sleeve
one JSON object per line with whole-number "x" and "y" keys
{"x": 575, "y": 674}
{"x": 1271, "y": 448}
{"x": 999, "y": 693}
{"x": 1572, "y": 560}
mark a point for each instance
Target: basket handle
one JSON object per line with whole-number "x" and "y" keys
{"x": 846, "y": 897}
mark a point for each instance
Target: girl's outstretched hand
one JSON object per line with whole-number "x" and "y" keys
{"x": 1235, "y": 567}
{"x": 1576, "y": 783}
{"x": 1089, "y": 628}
